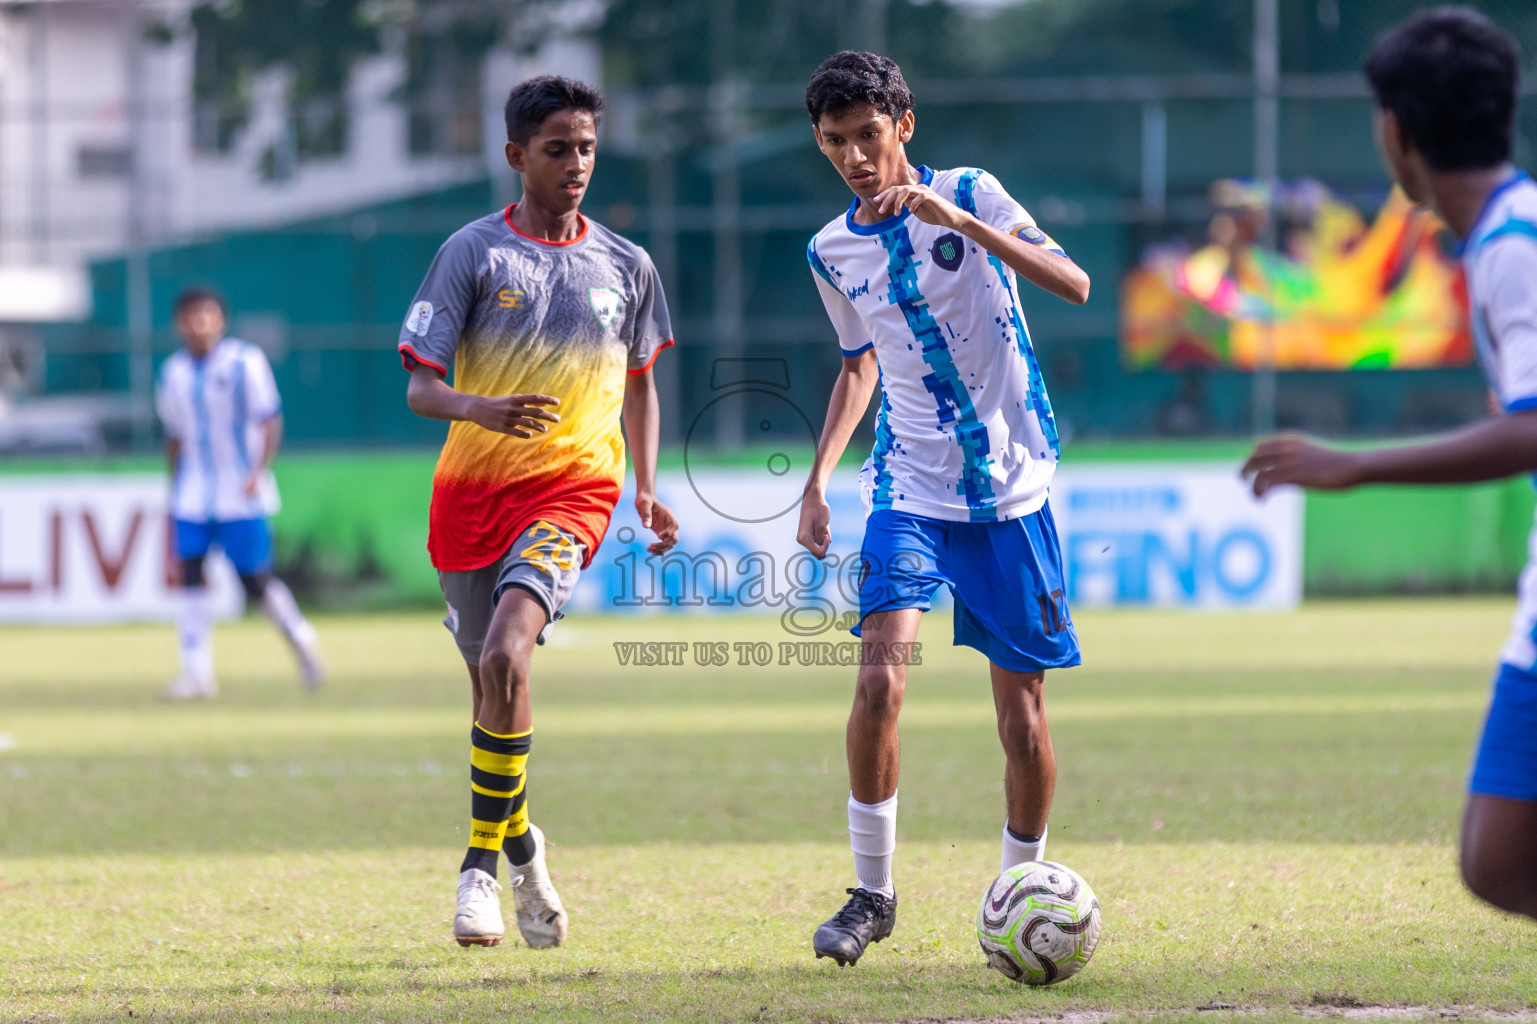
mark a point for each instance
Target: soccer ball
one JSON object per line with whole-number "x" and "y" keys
{"x": 1039, "y": 923}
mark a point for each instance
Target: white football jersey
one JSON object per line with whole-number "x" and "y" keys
{"x": 217, "y": 407}
{"x": 1500, "y": 257}
{"x": 965, "y": 431}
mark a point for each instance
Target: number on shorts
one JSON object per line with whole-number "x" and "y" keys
{"x": 1051, "y": 612}
{"x": 550, "y": 550}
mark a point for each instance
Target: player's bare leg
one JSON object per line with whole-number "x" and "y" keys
{"x": 874, "y": 751}
{"x": 1030, "y": 774}
{"x": 1499, "y": 852}
{"x": 874, "y": 754}
{"x": 504, "y": 704}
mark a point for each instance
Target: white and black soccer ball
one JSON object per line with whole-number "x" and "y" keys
{"x": 1039, "y": 923}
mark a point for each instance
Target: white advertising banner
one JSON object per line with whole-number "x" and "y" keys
{"x": 92, "y": 548}
{"x": 1187, "y": 536}
{"x": 1166, "y": 535}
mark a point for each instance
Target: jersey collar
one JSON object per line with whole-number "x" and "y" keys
{"x": 1516, "y": 178}
{"x": 925, "y": 177}
{"x": 507, "y": 216}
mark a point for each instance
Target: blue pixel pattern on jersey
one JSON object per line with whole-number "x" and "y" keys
{"x": 1040, "y": 404}
{"x": 817, "y": 264}
{"x": 885, "y": 444}
{"x": 952, "y": 401}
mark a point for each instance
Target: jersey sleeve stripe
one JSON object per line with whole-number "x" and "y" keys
{"x": 1522, "y": 404}
{"x": 666, "y": 344}
{"x": 867, "y": 346}
{"x": 409, "y": 359}
{"x": 817, "y": 264}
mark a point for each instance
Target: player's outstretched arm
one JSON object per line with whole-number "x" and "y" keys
{"x": 643, "y": 431}
{"x": 850, "y": 398}
{"x": 1046, "y": 270}
{"x": 430, "y": 395}
{"x": 1489, "y": 450}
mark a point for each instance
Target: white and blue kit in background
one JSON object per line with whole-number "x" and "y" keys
{"x": 217, "y": 408}
{"x": 1500, "y": 257}
{"x": 956, "y": 485}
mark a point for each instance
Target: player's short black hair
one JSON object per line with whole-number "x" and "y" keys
{"x": 531, "y": 102}
{"x": 854, "y": 78}
{"x": 1450, "y": 76}
{"x": 196, "y": 296}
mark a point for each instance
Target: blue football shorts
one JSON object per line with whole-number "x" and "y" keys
{"x": 245, "y": 542}
{"x": 1010, "y": 601}
{"x": 1506, "y": 761}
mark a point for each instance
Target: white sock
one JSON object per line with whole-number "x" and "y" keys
{"x": 194, "y": 633}
{"x": 873, "y": 838}
{"x": 278, "y": 605}
{"x": 1016, "y": 851}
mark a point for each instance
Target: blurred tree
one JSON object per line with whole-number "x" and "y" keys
{"x": 318, "y": 41}
{"x": 668, "y": 42}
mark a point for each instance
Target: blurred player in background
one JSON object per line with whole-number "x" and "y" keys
{"x": 1446, "y": 83}
{"x": 223, "y": 423}
{"x": 918, "y": 278}
{"x": 554, "y": 322}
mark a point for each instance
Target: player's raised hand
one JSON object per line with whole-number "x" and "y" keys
{"x": 1298, "y": 461}
{"x": 518, "y": 415}
{"x": 815, "y": 531}
{"x": 926, "y": 204}
{"x": 657, "y": 518}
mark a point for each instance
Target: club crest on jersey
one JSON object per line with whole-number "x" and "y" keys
{"x": 605, "y": 304}
{"x": 1032, "y": 234}
{"x": 420, "y": 319}
{"x": 948, "y": 251}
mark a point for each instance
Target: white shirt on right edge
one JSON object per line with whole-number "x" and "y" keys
{"x": 1500, "y": 257}
{"x": 965, "y": 431}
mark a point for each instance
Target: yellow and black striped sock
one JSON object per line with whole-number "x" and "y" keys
{"x": 518, "y": 841}
{"x": 496, "y": 793}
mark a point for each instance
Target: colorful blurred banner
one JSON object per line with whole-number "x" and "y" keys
{"x": 1343, "y": 295}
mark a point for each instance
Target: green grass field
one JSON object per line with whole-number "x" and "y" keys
{"x": 1265, "y": 805}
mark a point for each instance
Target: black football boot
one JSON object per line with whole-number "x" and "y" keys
{"x": 867, "y": 917}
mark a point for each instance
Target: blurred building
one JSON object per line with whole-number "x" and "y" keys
{"x": 105, "y": 150}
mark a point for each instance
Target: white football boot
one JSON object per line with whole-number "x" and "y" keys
{"x": 478, "y": 921}
{"x": 191, "y": 687}
{"x": 541, "y": 916}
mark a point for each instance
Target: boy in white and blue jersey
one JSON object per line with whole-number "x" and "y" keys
{"x": 920, "y": 278}
{"x": 1446, "y": 83}
{"x": 223, "y": 422}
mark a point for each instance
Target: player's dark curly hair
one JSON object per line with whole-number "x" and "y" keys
{"x": 531, "y": 102}
{"x": 1450, "y": 76}
{"x": 196, "y": 295}
{"x": 855, "y": 78}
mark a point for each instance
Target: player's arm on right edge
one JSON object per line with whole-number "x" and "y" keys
{"x": 1488, "y": 450}
{"x": 429, "y": 340}
{"x": 851, "y": 397}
